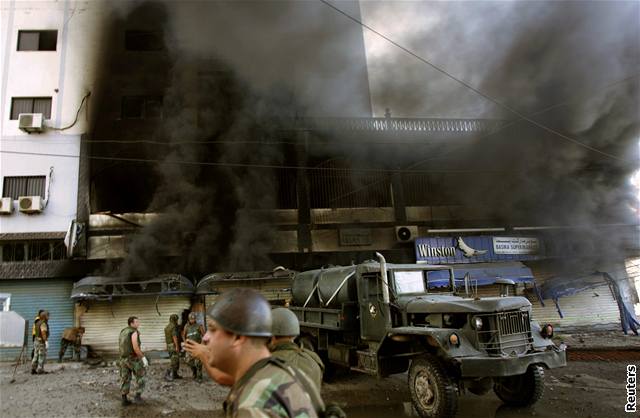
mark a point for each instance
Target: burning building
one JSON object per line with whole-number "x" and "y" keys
{"x": 220, "y": 136}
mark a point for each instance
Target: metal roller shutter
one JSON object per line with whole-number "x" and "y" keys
{"x": 276, "y": 292}
{"x": 592, "y": 307}
{"x": 28, "y": 296}
{"x": 103, "y": 321}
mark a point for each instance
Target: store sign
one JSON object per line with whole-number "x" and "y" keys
{"x": 516, "y": 245}
{"x": 476, "y": 249}
{"x": 355, "y": 236}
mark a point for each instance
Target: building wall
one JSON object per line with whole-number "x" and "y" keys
{"x": 66, "y": 75}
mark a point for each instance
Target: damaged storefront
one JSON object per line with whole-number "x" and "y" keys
{"x": 105, "y": 304}
{"x": 565, "y": 288}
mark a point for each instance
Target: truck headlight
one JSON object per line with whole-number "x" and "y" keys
{"x": 477, "y": 323}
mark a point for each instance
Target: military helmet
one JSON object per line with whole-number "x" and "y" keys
{"x": 192, "y": 315}
{"x": 242, "y": 311}
{"x": 285, "y": 323}
{"x": 173, "y": 318}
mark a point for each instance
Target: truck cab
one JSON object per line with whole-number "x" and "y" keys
{"x": 381, "y": 319}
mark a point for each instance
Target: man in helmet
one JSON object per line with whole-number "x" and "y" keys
{"x": 171, "y": 335}
{"x": 40, "y": 343}
{"x": 193, "y": 332}
{"x": 285, "y": 329}
{"x": 132, "y": 361}
{"x": 238, "y": 330}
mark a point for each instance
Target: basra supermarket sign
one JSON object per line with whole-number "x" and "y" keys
{"x": 477, "y": 249}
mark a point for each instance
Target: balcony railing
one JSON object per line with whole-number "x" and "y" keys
{"x": 401, "y": 124}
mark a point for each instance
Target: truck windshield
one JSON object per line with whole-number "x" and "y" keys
{"x": 420, "y": 281}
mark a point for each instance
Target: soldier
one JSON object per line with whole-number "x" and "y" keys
{"x": 132, "y": 361}
{"x": 238, "y": 329}
{"x": 40, "y": 343}
{"x": 171, "y": 335}
{"x": 285, "y": 329}
{"x": 33, "y": 331}
{"x": 193, "y": 332}
{"x": 71, "y": 336}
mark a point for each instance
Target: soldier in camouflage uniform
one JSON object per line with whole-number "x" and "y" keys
{"x": 132, "y": 361}
{"x": 40, "y": 343}
{"x": 238, "y": 329}
{"x": 285, "y": 329}
{"x": 171, "y": 335}
{"x": 71, "y": 337}
{"x": 193, "y": 332}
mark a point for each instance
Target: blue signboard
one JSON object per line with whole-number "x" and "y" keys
{"x": 477, "y": 249}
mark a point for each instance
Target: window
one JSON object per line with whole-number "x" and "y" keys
{"x": 30, "y": 105}
{"x": 37, "y": 40}
{"x": 5, "y": 302}
{"x": 142, "y": 107}
{"x": 14, "y": 187}
{"x": 41, "y": 250}
{"x": 140, "y": 40}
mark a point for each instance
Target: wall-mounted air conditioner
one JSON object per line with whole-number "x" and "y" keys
{"x": 30, "y": 122}
{"x": 6, "y": 205}
{"x": 406, "y": 233}
{"x": 30, "y": 204}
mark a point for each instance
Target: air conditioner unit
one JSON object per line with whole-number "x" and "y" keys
{"x": 406, "y": 233}
{"x": 30, "y": 122}
{"x": 6, "y": 205}
{"x": 30, "y": 204}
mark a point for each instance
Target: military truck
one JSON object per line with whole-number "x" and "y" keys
{"x": 381, "y": 319}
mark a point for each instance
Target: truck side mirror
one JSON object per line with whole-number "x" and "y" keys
{"x": 467, "y": 277}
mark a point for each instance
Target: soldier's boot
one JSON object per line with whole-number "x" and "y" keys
{"x": 168, "y": 376}
{"x": 137, "y": 398}
{"x": 59, "y": 359}
{"x": 195, "y": 372}
{"x": 125, "y": 400}
{"x": 33, "y": 371}
{"x": 175, "y": 375}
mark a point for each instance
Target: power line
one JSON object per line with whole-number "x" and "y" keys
{"x": 470, "y": 87}
{"x": 249, "y": 165}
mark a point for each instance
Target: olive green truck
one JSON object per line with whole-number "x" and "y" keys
{"x": 381, "y": 319}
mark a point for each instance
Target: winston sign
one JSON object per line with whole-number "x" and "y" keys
{"x": 476, "y": 249}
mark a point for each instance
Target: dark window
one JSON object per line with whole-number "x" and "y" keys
{"x": 140, "y": 40}
{"x": 141, "y": 107}
{"x": 13, "y": 251}
{"x": 14, "y": 187}
{"x": 37, "y": 40}
{"x": 30, "y": 105}
{"x": 42, "y": 250}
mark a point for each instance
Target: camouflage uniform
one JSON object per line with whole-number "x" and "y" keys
{"x": 272, "y": 389}
{"x": 130, "y": 363}
{"x": 301, "y": 359}
{"x": 171, "y": 331}
{"x": 39, "y": 346}
{"x": 70, "y": 337}
{"x": 194, "y": 333}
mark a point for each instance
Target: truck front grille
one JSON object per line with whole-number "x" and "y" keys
{"x": 506, "y": 333}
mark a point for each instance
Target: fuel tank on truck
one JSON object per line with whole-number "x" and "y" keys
{"x": 326, "y": 288}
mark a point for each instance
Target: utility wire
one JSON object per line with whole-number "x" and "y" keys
{"x": 248, "y": 165}
{"x": 470, "y": 87}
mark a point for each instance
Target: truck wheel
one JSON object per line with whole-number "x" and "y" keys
{"x": 432, "y": 391}
{"x": 521, "y": 390}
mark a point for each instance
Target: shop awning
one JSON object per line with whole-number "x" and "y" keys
{"x": 105, "y": 288}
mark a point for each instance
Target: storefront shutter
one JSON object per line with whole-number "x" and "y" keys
{"x": 28, "y": 296}
{"x": 104, "y": 320}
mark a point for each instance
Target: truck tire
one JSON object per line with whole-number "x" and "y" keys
{"x": 433, "y": 393}
{"x": 521, "y": 390}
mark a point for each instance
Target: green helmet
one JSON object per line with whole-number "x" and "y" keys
{"x": 242, "y": 311}
{"x": 173, "y": 318}
{"x": 285, "y": 323}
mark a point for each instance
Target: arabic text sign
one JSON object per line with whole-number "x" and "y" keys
{"x": 516, "y": 245}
